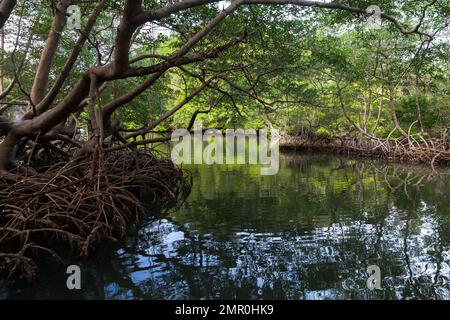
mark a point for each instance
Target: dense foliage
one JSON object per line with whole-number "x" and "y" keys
{"x": 305, "y": 70}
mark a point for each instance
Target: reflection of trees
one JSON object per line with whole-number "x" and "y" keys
{"x": 375, "y": 214}
{"x": 309, "y": 232}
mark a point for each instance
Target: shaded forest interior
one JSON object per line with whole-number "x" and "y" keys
{"x": 85, "y": 106}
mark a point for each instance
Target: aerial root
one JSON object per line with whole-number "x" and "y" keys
{"x": 431, "y": 152}
{"x": 65, "y": 216}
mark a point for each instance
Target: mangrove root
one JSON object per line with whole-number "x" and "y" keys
{"x": 65, "y": 213}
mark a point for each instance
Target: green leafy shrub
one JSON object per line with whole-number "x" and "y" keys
{"x": 323, "y": 133}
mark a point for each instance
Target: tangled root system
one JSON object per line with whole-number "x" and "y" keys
{"x": 405, "y": 149}
{"x": 67, "y": 212}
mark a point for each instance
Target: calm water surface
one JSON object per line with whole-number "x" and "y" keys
{"x": 308, "y": 232}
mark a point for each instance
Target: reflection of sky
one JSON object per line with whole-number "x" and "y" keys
{"x": 317, "y": 258}
{"x": 311, "y": 234}
{"x": 319, "y": 265}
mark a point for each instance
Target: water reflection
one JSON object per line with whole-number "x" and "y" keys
{"x": 308, "y": 232}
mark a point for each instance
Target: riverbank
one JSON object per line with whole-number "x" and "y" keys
{"x": 396, "y": 150}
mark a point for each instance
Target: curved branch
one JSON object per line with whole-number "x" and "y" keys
{"x": 48, "y": 99}
{"x": 8, "y": 88}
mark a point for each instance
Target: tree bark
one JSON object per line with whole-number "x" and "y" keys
{"x": 40, "y": 83}
{"x": 6, "y": 7}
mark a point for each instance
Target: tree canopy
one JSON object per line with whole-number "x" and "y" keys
{"x": 320, "y": 67}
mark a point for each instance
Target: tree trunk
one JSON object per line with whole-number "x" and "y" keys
{"x": 6, "y": 7}
{"x": 418, "y": 112}
{"x": 40, "y": 83}
{"x": 7, "y": 151}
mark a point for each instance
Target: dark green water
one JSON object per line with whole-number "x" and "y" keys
{"x": 308, "y": 232}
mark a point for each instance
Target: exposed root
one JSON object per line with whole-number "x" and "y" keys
{"x": 61, "y": 215}
{"x": 408, "y": 149}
